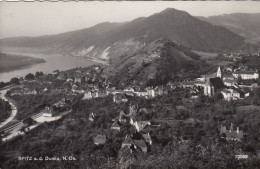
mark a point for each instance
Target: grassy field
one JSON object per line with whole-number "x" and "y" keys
{"x": 10, "y": 62}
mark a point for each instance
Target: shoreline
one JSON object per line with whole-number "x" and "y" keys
{"x": 25, "y": 62}
{"x": 51, "y": 62}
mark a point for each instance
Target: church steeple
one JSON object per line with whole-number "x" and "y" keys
{"x": 219, "y": 73}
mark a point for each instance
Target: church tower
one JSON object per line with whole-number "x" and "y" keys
{"x": 219, "y": 73}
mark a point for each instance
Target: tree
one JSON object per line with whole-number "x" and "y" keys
{"x": 38, "y": 74}
{"x": 14, "y": 81}
{"x": 29, "y": 76}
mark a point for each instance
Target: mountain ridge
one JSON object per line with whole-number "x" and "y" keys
{"x": 244, "y": 24}
{"x": 173, "y": 24}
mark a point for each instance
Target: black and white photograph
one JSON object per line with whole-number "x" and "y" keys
{"x": 129, "y": 84}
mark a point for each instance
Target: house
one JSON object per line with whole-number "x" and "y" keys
{"x": 140, "y": 125}
{"x": 147, "y": 138}
{"x": 200, "y": 83}
{"x": 45, "y": 90}
{"x": 48, "y": 112}
{"x": 91, "y": 116}
{"x": 130, "y": 94}
{"x": 100, "y": 139}
{"x": 127, "y": 142}
{"x": 123, "y": 118}
{"x": 212, "y": 85}
{"x": 77, "y": 79}
{"x": 29, "y": 92}
{"x": 102, "y": 93}
{"x": 230, "y": 94}
{"x": 61, "y": 103}
{"x": 88, "y": 95}
{"x": 188, "y": 84}
{"x": 129, "y": 89}
{"x": 254, "y": 85}
{"x": 140, "y": 144}
{"x": 119, "y": 98}
{"x": 160, "y": 90}
{"x": 135, "y": 141}
{"x": 150, "y": 92}
{"x": 229, "y": 82}
{"x": 228, "y": 76}
{"x": 141, "y": 93}
{"x": 245, "y": 75}
{"x": 231, "y": 134}
{"x": 116, "y": 126}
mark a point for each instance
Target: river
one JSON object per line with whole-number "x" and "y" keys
{"x": 53, "y": 62}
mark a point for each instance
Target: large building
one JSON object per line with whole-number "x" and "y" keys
{"x": 230, "y": 94}
{"x": 245, "y": 75}
{"x": 212, "y": 85}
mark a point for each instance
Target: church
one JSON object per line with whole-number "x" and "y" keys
{"x": 213, "y": 84}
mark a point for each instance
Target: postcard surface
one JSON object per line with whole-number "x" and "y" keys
{"x": 154, "y": 84}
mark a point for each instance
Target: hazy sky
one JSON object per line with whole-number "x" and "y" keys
{"x": 42, "y": 18}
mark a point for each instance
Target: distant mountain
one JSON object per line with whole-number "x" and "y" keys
{"x": 98, "y": 41}
{"x": 244, "y": 24}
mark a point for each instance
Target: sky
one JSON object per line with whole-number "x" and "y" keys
{"x": 47, "y": 18}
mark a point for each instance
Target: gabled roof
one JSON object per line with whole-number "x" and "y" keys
{"x": 147, "y": 136}
{"x": 116, "y": 124}
{"x": 216, "y": 82}
{"x": 127, "y": 140}
{"x": 140, "y": 143}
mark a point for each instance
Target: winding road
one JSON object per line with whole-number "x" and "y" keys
{"x": 14, "y": 109}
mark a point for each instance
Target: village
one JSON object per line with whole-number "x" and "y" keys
{"x": 88, "y": 83}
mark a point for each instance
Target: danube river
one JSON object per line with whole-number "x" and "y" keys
{"x": 53, "y": 62}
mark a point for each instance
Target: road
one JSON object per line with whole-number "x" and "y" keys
{"x": 14, "y": 109}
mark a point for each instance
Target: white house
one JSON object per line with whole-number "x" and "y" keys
{"x": 129, "y": 89}
{"x": 245, "y": 75}
{"x": 48, "y": 112}
{"x": 230, "y": 94}
{"x": 150, "y": 92}
{"x": 229, "y": 82}
{"x": 141, "y": 93}
{"x": 87, "y": 95}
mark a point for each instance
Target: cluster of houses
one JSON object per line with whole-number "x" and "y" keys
{"x": 232, "y": 57}
{"x": 140, "y": 139}
{"x": 50, "y": 111}
{"x": 227, "y": 84}
{"x": 23, "y": 91}
{"x": 120, "y": 95}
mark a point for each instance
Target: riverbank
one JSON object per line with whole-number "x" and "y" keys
{"x": 11, "y": 62}
{"x": 53, "y": 62}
